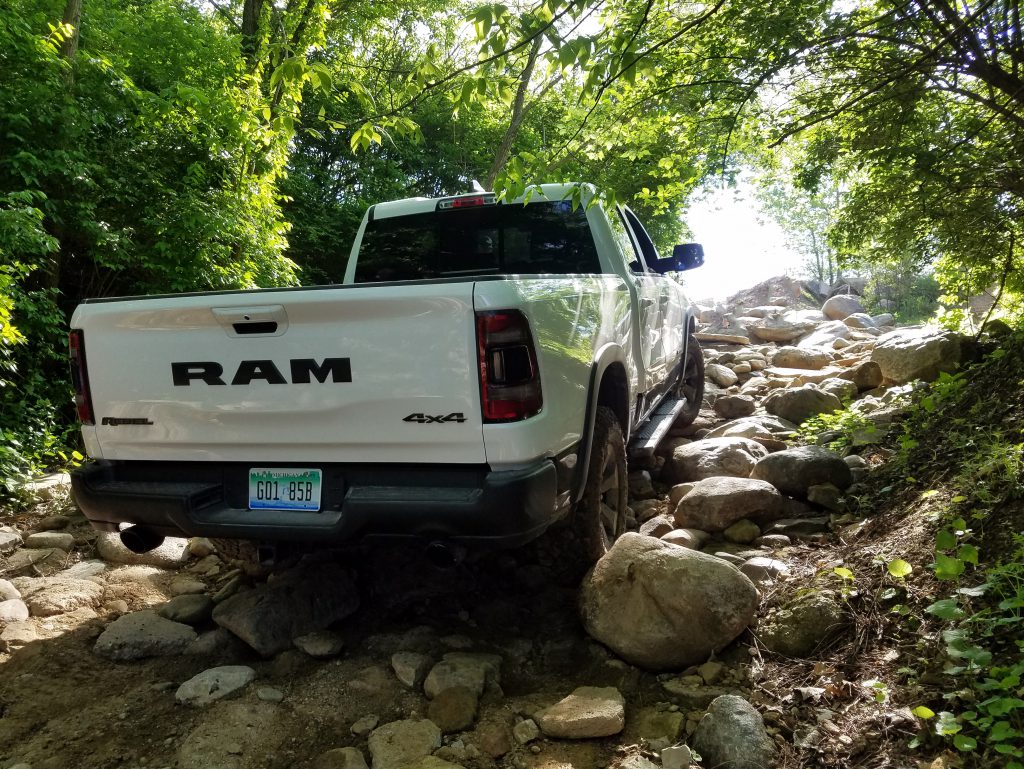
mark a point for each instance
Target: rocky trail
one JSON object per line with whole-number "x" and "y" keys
{"x": 717, "y": 627}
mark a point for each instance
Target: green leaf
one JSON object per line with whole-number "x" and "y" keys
{"x": 968, "y": 554}
{"x": 947, "y": 567}
{"x": 946, "y": 609}
{"x": 965, "y": 744}
{"x": 945, "y": 540}
{"x": 929, "y": 494}
{"x": 1002, "y": 731}
{"x": 922, "y": 712}
{"x": 900, "y": 568}
{"x": 843, "y": 572}
{"x": 946, "y": 724}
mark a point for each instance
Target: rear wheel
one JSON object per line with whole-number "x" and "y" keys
{"x": 691, "y": 382}
{"x": 601, "y": 512}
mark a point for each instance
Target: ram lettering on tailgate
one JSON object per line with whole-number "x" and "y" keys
{"x": 302, "y": 371}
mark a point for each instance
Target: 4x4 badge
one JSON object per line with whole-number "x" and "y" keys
{"x": 427, "y": 419}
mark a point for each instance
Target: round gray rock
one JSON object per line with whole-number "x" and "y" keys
{"x": 10, "y": 540}
{"x": 58, "y": 539}
{"x": 799, "y": 404}
{"x": 170, "y": 555}
{"x": 796, "y": 357}
{"x": 322, "y": 644}
{"x": 802, "y": 625}
{"x": 908, "y": 354}
{"x": 793, "y": 471}
{"x": 143, "y": 634}
{"x": 859, "y": 320}
{"x": 761, "y": 569}
{"x": 191, "y": 609}
{"x": 826, "y": 334}
{"x": 401, "y": 744}
{"x": 13, "y": 610}
{"x": 715, "y": 504}
{"x": 742, "y": 532}
{"x": 712, "y": 457}
{"x": 590, "y": 711}
{"x": 57, "y": 595}
{"x": 720, "y": 375}
{"x": 866, "y": 375}
{"x": 453, "y": 710}
{"x": 734, "y": 406}
{"x": 664, "y": 607}
{"x": 842, "y": 306}
{"x": 214, "y": 684}
{"x": 8, "y": 590}
{"x": 732, "y": 736}
{"x": 340, "y": 758}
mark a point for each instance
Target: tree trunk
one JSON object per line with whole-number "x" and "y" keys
{"x": 72, "y": 16}
{"x": 518, "y": 112}
{"x": 252, "y": 10}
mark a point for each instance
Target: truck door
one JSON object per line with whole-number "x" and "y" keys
{"x": 647, "y": 293}
{"x": 666, "y": 329}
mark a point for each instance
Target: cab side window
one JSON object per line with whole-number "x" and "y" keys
{"x": 633, "y": 260}
{"x": 643, "y": 239}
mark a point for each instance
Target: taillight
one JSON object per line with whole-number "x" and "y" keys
{"x": 80, "y": 377}
{"x": 509, "y": 377}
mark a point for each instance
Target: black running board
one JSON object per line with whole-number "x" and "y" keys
{"x": 647, "y": 439}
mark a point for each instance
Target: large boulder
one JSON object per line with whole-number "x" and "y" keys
{"x": 305, "y": 599}
{"x": 754, "y": 427}
{"x": 663, "y": 607}
{"x": 143, "y": 634}
{"x": 859, "y": 320}
{"x": 841, "y": 307}
{"x": 802, "y": 625}
{"x": 825, "y": 334}
{"x": 720, "y": 375}
{"x": 793, "y": 471}
{"x": 733, "y": 406}
{"x": 57, "y": 595}
{"x": 783, "y": 329}
{"x": 172, "y": 554}
{"x": 715, "y": 456}
{"x": 402, "y": 744}
{"x": 799, "y": 404}
{"x": 731, "y": 735}
{"x": 715, "y": 504}
{"x": 798, "y": 357}
{"x": 916, "y": 353}
{"x": 590, "y": 711}
{"x": 866, "y": 375}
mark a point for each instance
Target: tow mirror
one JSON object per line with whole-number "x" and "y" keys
{"x": 684, "y": 257}
{"x": 689, "y": 255}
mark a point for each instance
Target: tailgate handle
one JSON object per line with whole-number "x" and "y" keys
{"x": 265, "y": 320}
{"x": 255, "y": 327}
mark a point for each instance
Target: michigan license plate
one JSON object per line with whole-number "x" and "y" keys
{"x": 284, "y": 488}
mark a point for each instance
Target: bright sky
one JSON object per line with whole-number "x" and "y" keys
{"x": 741, "y": 249}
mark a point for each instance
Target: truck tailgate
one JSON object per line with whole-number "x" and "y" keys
{"x": 237, "y": 377}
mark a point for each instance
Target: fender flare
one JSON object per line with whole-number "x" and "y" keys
{"x": 606, "y": 356}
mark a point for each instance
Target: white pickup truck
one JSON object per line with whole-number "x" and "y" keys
{"x": 477, "y": 377}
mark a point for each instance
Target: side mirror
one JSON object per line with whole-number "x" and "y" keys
{"x": 684, "y": 257}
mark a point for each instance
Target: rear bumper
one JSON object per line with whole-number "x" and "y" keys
{"x": 469, "y": 504}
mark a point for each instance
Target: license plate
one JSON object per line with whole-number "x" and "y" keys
{"x": 284, "y": 488}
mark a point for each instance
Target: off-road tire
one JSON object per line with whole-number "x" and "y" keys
{"x": 601, "y": 512}
{"x": 691, "y": 382}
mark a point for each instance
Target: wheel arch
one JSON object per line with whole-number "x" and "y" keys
{"x": 609, "y": 386}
